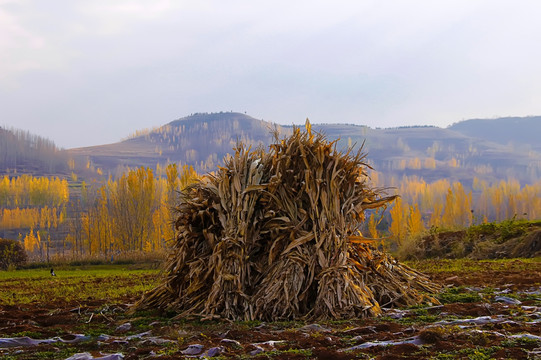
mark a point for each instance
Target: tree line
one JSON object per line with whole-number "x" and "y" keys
{"x": 28, "y": 191}
{"x": 131, "y": 213}
{"x": 451, "y": 205}
{"x": 21, "y": 149}
{"x": 134, "y": 211}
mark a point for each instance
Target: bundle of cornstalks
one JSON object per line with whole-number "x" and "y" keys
{"x": 274, "y": 235}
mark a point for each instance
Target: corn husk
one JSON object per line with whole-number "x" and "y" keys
{"x": 274, "y": 235}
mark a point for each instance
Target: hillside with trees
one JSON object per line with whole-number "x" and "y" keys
{"x": 202, "y": 140}
{"x": 25, "y": 153}
{"x": 517, "y": 132}
{"x": 490, "y": 150}
{"x": 102, "y": 200}
{"x": 434, "y": 153}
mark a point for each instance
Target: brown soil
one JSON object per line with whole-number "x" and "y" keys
{"x": 427, "y": 332}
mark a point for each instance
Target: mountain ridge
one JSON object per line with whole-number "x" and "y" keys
{"x": 505, "y": 130}
{"x": 458, "y": 152}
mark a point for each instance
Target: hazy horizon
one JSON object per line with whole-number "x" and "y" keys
{"x": 87, "y": 73}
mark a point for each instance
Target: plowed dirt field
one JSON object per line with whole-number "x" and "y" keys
{"x": 488, "y": 310}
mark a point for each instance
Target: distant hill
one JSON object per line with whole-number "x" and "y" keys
{"x": 488, "y": 149}
{"x": 434, "y": 153}
{"x": 520, "y": 132}
{"x": 201, "y": 140}
{"x": 25, "y": 153}
{"x": 459, "y": 152}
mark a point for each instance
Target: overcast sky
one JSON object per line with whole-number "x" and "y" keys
{"x": 92, "y": 72}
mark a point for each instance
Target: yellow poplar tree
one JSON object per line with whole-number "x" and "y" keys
{"x": 436, "y": 217}
{"x": 399, "y": 214}
{"x": 415, "y": 221}
{"x": 372, "y": 226}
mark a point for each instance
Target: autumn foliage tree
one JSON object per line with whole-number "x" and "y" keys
{"x": 131, "y": 213}
{"x": 442, "y": 204}
{"x": 27, "y": 190}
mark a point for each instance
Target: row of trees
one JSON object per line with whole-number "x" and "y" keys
{"x": 30, "y": 191}
{"x": 44, "y": 217}
{"x": 46, "y": 222}
{"x": 19, "y": 148}
{"x": 130, "y": 213}
{"x": 133, "y": 212}
{"x": 442, "y": 204}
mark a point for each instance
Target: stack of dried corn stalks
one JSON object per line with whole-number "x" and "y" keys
{"x": 272, "y": 236}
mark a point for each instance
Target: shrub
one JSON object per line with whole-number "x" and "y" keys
{"x": 11, "y": 254}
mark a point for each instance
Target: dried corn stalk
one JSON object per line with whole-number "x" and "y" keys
{"x": 271, "y": 236}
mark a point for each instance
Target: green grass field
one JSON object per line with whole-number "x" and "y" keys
{"x": 115, "y": 283}
{"x": 106, "y": 282}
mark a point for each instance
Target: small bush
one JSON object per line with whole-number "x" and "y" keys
{"x": 12, "y": 254}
